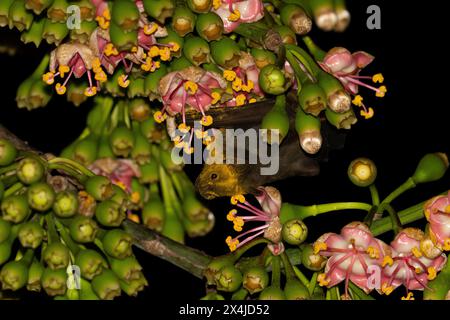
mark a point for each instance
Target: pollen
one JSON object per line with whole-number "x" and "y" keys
{"x": 102, "y": 22}
{"x": 133, "y": 217}
{"x": 387, "y": 260}
{"x": 216, "y": 97}
{"x": 409, "y": 296}
{"x": 374, "y": 253}
{"x": 191, "y": 87}
{"x": 121, "y": 185}
{"x": 49, "y": 78}
{"x": 110, "y": 50}
{"x": 446, "y": 246}
{"x": 319, "y": 246}
{"x": 249, "y": 87}
{"x": 231, "y": 215}
{"x": 207, "y": 121}
{"x": 386, "y": 289}
{"x": 135, "y": 197}
{"x": 323, "y": 280}
{"x": 234, "y": 16}
{"x": 381, "y": 92}
{"x": 431, "y": 273}
{"x": 188, "y": 149}
{"x": 416, "y": 252}
{"x": 200, "y": 134}
{"x": 378, "y": 78}
{"x": 100, "y": 76}
{"x": 150, "y": 29}
{"x": 90, "y": 91}
{"x": 229, "y": 75}
{"x": 164, "y": 54}
{"x": 184, "y": 128}
{"x": 240, "y": 100}
{"x": 174, "y": 47}
{"x": 232, "y": 243}
{"x": 367, "y": 114}
{"x": 237, "y": 85}
{"x": 123, "y": 81}
{"x": 252, "y": 100}
{"x": 159, "y": 116}
{"x": 96, "y": 65}
{"x": 63, "y": 70}
{"x": 358, "y": 101}
{"x": 237, "y": 198}
{"x": 216, "y": 4}
{"x": 60, "y": 89}
{"x": 153, "y": 52}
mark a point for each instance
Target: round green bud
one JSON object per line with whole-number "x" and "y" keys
{"x": 34, "y": 276}
{"x": 7, "y": 152}
{"x": 272, "y": 293}
{"x": 294, "y": 231}
{"x": 106, "y": 285}
{"x": 15, "y": 208}
{"x": 263, "y": 57}
{"x": 14, "y": 275}
{"x": 117, "y": 243}
{"x": 66, "y": 204}
{"x": 99, "y": 187}
{"x": 296, "y": 18}
{"x": 153, "y": 215}
{"x": 213, "y": 268}
{"x": 255, "y": 279}
{"x": 85, "y": 151}
{"x": 226, "y": 53}
{"x": 196, "y": 50}
{"x": 91, "y": 263}
{"x": 295, "y": 290}
{"x": 120, "y": 196}
{"x": 41, "y": 196}
{"x": 54, "y": 282}
{"x": 126, "y": 269}
{"x": 31, "y": 234}
{"x": 122, "y": 141}
{"x": 312, "y": 261}
{"x": 56, "y": 256}
{"x": 312, "y": 98}
{"x": 110, "y": 214}
{"x": 5, "y": 251}
{"x": 229, "y": 279}
{"x": 362, "y": 172}
{"x": 194, "y": 209}
{"x": 139, "y": 110}
{"x": 199, "y": 6}
{"x": 431, "y": 167}
{"x": 209, "y": 26}
{"x": 183, "y": 21}
{"x": 5, "y": 230}
{"x": 83, "y": 229}
{"x": 133, "y": 287}
{"x": 272, "y": 80}
{"x": 30, "y": 170}
{"x": 287, "y": 35}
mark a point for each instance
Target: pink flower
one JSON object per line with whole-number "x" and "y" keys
{"x": 235, "y": 12}
{"x": 351, "y": 253}
{"x": 270, "y": 201}
{"x": 407, "y": 265}
{"x": 437, "y": 212}
{"x": 346, "y": 67}
{"x": 121, "y": 171}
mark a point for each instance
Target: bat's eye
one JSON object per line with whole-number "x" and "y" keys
{"x": 214, "y": 176}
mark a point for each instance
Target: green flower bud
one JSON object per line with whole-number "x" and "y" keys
{"x": 14, "y": 275}
{"x": 66, "y": 204}
{"x": 294, "y": 232}
{"x": 343, "y": 16}
{"x": 149, "y": 172}
{"x": 312, "y": 98}
{"x": 54, "y": 282}
{"x": 228, "y": 279}
{"x": 133, "y": 287}
{"x": 87, "y": 10}
{"x": 56, "y": 256}
{"x": 23, "y": 92}
{"x": 83, "y": 229}
{"x": 19, "y": 16}
{"x": 5, "y": 230}
{"x": 324, "y": 14}
{"x": 362, "y": 172}
{"x": 141, "y": 151}
{"x": 120, "y": 196}
{"x": 75, "y": 93}
{"x": 255, "y": 279}
{"x": 15, "y": 208}
{"x": 136, "y": 88}
{"x": 110, "y": 214}
{"x": 104, "y": 148}
{"x": 86, "y": 292}
{"x": 106, "y": 285}
{"x": 99, "y": 187}
{"x": 212, "y": 270}
{"x": 127, "y": 269}
{"x": 91, "y": 263}
{"x": 117, "y": 243}
{"x": 37, "y": 5}
{"x": 31, "y": 235}
{"x": 125, "y": 14}
{"x": 341, "y": 120}
{"x": 337, "y": 98}
{"x": 121, "y": 39}
{"x": 153, "y": 215}
{"x": 209, "y": 26}
{"x": 276, "y": 122}
{"x": 308, "y": 129}
{"x": 40, "y": 95}
{"x": 431, "y": 167}
{"x": 213, "y": 296}
{"x": 34, "y": 34}
{"x": 30, "y": 170}
{"x": 122, "y": 141}
{"x": 41, "y": 196}
{"x": 151, "y": 83}
{"x": 85, "y": 151}
{"x": 272, "y": 293}
{"x": 194, "y": 209}
{"x": 263, "y": 57}
{"x": 34, "y": 276}
{"x": 199, "y": 228}
{"x": 83, "y": 33}
{"x": 199, "y": 6}
{"x": 312, "y": 261}
{"x": 139, "y": 110}
{"x": 159, "y": 9}
{"x": 54, "y": 32}
{"x": 296, "y": 18}
{"x": 180, "y": 64}
{"x": 5, "y": 250}
{"x": 272, "y": 80}
{"x": 7, "y": 152}
{"x": 239, "y": 295}
{"x": 58, "y": 11}
{"x": 287, "y": 35}
{"x": 183, "y": 21}
{"x": 295, "y": 290}
{"x": 196, "y": 50}
{"x": 226, "y": 53}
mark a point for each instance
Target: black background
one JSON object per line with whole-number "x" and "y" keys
{"x": 411, "y": 51}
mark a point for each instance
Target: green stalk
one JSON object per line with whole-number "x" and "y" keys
{"x": 313, "y": 283}
{"x": 374, "y": 194}
{"x": 73, "y": 247}
{"x": 317, "y": 52}
{"x": 290, "y": 273}
{"x": 73, "y": 164}
{"x": 303, "y": 279}
{"x": 13, "y": 189}
{"x": 240, "y": 251}
{"x": 395, "y": 220}
{"x": 407, "y": 185}
{"x": 276, "y": 272}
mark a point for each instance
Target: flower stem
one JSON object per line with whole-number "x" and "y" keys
{"x": 240, "y": 251}
{"x": 276, "y": 272}
{"x": 318, "y": 53}
{"x": 375, "y": 195}
{"x": 303, "y": 279}
{"x": 313, "y": 283}
{"x": 13, "y": 189}
{"x": 72, "y": 164}
{"x": 395, "y": 220}
{"x": 408, "y": 184}
{"x": 290, "y": 274}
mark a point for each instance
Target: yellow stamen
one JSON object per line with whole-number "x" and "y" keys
{"x": 106, "y": 14}
{"x": 237, "y": 84}
{"x": 252, "y": 100}
{"x": 110, "y": 50}
{"x": 446, "y": 246}
{"x": 135, "y": 197}
{"x": 378, "y": 78}
{"x": 270, "y": 8}
{"x": 147, "y": 66}
{"x": 229, "y": 75}
{"x": 238, "y": 221}
{"x": 381, "y": 92}
{"x": 164, "y": 53}
{"x": 431, "y": 273}
{"x": 100, "y": 76}
{"x": 387, "y": 260}
{"x": 358, "y": 101}
{"x": 191, "y": 87}
{"x": 207, "y": 121}
{"x": 60, "y": 89}
{"x": 159, "y": 116}
{"x": 249, "y": 87}
{"x": 49, "y": 78}
{"x": 237, "y": 198}
{"x": 174, "y": 47}
{"x": 232, "y": 243}
{"x": 416, "y": 252}
{"x": 102, "y": 22}
{"x": 410, "y": 296}
{"x": 235, "y": 16}
{"x": 200, "y": 134}
{"x": 90, "y": 92}
{"x": 134, "y": 49}
{"x": 121, "y": 185}
{"x": 319, "y": 246}
{"x": 153, "y": 52}
{"x": 240, "y": 100}
{"x": 123, "y": 81}
{"x": 387, "y": 290}
{"x": 217, "y": 4}
{"x": 323, "y": 280}
{"x": 188, "y": 149}
{"x": 184, "y": 128}
{"x": 374, "y": 253}
{"x": 96, "y": 65}
{"x": 231, "y": 215}
{"x": 62, "y": 70}
{"x": 367, "y": 115}
{"x": 150, "y": 28}
{"x": 216, "y": 97}
{"x": 134, "y": 217}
